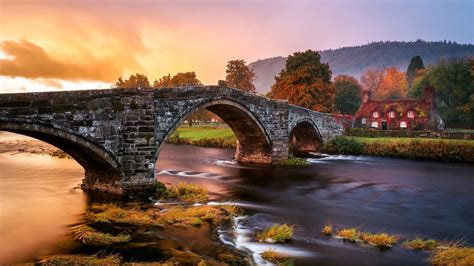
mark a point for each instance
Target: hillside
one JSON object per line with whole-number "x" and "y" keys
{"x": 354, "y": 60}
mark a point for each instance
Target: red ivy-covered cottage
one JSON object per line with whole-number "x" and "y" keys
{"x": 410, "y": 114}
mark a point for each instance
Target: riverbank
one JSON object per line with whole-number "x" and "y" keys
{"x": 407, "y": 148}
{"x": 419, "y": 148}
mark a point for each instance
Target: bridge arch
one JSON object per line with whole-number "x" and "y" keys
{"x": 99, "y": 165}
{"x": 304, "y": 137}
{"x": 253, "y": 141}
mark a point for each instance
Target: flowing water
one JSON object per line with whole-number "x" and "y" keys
{"x": 406, "y": 198}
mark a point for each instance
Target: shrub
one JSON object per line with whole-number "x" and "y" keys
{"x": 276, "y": 233}
{"x": 327, "y": 230}
{"x": 419, "y": 243}
{"x": 343, "y": 145}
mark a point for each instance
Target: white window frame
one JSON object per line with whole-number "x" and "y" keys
{"x": 403, "y": 124}
{"x": 374, "y": 124}
{"x": 391, "y": 114}
{"x": 376, "y": 114}
{"x": 411, "y": 114}
{"x": 364, "y": 121}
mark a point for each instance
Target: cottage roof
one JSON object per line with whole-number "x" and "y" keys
{"x": 400, "y": 106}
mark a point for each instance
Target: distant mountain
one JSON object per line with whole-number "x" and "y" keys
{"x": 355, "y": 60}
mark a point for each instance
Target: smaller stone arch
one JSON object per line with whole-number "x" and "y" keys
{"x": 304, "y": 137}
{"x": 101, "y": 168}
{"x": 253, "y": 142}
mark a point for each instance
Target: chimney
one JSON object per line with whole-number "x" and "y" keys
{"x": 366, "y": 94}
{"x": 430, "y": 94}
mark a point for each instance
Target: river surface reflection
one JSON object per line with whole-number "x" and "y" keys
{"x": 406, "y": 198}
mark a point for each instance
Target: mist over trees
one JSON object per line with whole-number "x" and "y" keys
{"x": 357, "y": 59}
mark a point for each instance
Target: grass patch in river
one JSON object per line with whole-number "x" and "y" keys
{"x": 187, "y": 192}
{"x": 421, "y": 244}
{"x": 279, "y": 233}
{"x": 327, "y": 230}
{"x": 293, "y": 162}
{"x": 92, "y": 237}
{"x": 272, "y": 256}
{"x": 381, "y": 240}
{"x": 453, "y": 254}
{"x": 78, "y": 259}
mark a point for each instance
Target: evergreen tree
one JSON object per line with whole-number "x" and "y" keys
{"x": 416, "y": 64}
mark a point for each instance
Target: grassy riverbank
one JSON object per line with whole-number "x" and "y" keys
{"x": 215, "y": 136}
{"x": 410, "y": 148}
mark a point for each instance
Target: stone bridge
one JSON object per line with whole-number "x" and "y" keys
{"x": 117, "y": 134}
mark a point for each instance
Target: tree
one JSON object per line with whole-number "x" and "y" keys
{"x": 240, "y": 76}
{"x": 454, "y": 84}
{"x": 371, "y": 79}
{"x": 416, "y": 64}
{"x": 393, "y": 85}
{"x": 164, "y": 81}
{"x": 306, "y": 82}
{"x": 185, "y": 78}
{"x": 134, "y": 81}
{"x": 348, "y": 91}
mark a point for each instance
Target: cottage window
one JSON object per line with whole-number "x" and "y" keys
{"x": 375, "y": 114}
{"x": 364, "y": 121}
{"x": 375, "y": 124}
{"x": 411, "y": 114}
{"x": 403, "y": 124}
{"x": 391, "y": 114}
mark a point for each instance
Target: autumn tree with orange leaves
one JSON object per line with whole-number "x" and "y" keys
{"x": 306, "y": 82}
{"x": 387, "y": 84}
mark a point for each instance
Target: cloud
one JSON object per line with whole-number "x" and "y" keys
{"x": 29, "y": 60}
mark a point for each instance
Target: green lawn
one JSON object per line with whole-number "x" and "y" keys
{"x": 199, "y": 132}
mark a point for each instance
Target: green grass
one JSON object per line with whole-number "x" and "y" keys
{"x": 381, "y": 240}
{"x": 407, "y": 140}
{"x": 423, "y": 244}
{"x": 293, "y": 162}
{"x": 199, "y": 132}
{"x": 186, "y": 192}
{"x": 275, "y": 257}
{"x": 92, "y": 237}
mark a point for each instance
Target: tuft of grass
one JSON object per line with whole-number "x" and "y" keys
{"x": 92, "y": 237}
{"x": 78, "y": 259}
{"x": 419, "y": 243}
{"x": 454, "y": 254}
{"x": 327, "y": 230}
{"x": 349, "y": 234}
{"x": 186, "y": 192}
{"x": 272, "y": 256}
{"x": 381, "y": 240}
{"x": 112, "y": 213}
{"x": 278, "y": 233}
{"x": 293, "y": 162}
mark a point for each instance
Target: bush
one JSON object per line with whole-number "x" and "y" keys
{"x": 293, "y": 162}
{"x": 343, "y": 145}
{"x": 381, "y": 240}
{"x": 349, "y": 234}
{"x": 276, "y": 233}
{"x": 186, "y": 192}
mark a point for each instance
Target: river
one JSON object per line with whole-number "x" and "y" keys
{"x": 38, "y": 202}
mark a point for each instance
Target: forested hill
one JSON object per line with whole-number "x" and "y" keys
{"x": 354, "y": 60}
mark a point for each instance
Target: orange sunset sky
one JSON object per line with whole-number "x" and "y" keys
{"x": 59, "y": 44}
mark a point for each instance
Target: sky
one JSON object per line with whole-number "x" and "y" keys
{"x": 88, "y": 44}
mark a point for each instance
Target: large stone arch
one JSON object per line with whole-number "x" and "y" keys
{"x": 101, "y": 168}
{"x": 304, "y": 137}
{"x": 253, "y": 141}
